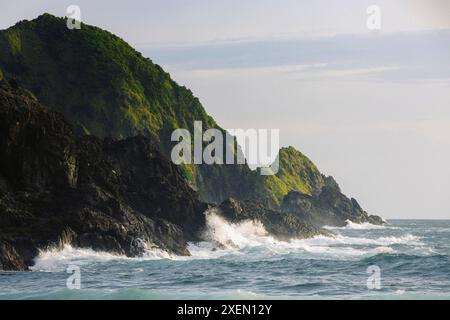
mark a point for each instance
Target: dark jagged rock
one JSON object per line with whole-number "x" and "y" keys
{"x": 116, "y": 196}
{"x": 330, "y": 207}
{"x": 284, "y": 226}
{"x": 109, "y": 195}
{"x": 106, "y": 88}
{"x": 10, "y": 259}
{"x": 58, "y": 188}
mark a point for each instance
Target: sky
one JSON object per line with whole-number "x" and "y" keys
{"x": 370, "y": 107}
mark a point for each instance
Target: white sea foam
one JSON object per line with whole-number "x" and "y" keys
{"x": 359, "y": 226}
{"x": 223, "y": 238}
{"x": 57, "y": 259}
{"x": 235, "y": 235}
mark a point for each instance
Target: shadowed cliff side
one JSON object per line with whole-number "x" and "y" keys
{"x": 328, "y": 208}
{"x": 123, "y": 196}
{"x": 106, "y": 88}
{"x": 59, "y": 183}
{"x": 283, "y": 226}
{"x": 55, "y": 189}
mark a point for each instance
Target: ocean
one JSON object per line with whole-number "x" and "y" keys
{"x": 407, "y": 259}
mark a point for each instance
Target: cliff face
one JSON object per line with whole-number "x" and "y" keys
{"x": 106, "y": 88}
{"x": 59, "y": 183}
{"x": 296, "y": 172}
{"x": 284, "y": 226}
{"x": 55, "y": 189}
{"x": 329, "y": 208}
{"x": 118, "y": 196}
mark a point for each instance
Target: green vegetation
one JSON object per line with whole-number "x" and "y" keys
{"x": 99, "y": 82}
{"x": 108, "y": 89}
{"x": 296, "y": 172}
{"x": 15, "y": 42}
{"x": 96, "y": 79}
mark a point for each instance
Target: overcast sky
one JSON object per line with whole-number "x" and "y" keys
{"x": 371, "y": 108}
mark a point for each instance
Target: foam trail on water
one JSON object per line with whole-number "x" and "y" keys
{"x": 225, "y": 238}
{"x": 358, "y": 226}
{"x": 222, "y": 238}
{"x": 58, "y": 259}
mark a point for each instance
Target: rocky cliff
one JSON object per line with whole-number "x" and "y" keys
{"x": 55, "y": 189}
{"x": 106, "y": 88}
{"x": 284, "y": 226}
{"x": 93, "y": 169}
{"x": 328, "y": 208}
{"x": 120, "y": 196}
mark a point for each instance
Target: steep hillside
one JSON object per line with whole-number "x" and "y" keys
{"x": 121, "y": 196}
{"x": 296, "y": 172}
{"x": 56, "y": 189}
{"x": 106, "y": 88}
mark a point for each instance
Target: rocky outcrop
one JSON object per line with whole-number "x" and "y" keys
{"x": 10, "y": 259}
{"x": 283, "y": 226}
{"x": 106, "y": 88}
{"x": 329, "y": 208}
{"x": 118, "y": 196}
{"x": 56, "y": 189}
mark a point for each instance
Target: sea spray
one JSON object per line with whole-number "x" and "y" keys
{"x": 358, "y": 226}
{"x": 58, "y": 258}
{"x": 263, "y": 268}
{"x": 234, "y": 235}
{"x": 223, "y": 238}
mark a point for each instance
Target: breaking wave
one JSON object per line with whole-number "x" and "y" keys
{"x": 235, "y": 235}
{"x": 235, "y": 258}
{"x": 222, "y": 238}
{"x": 358, "y": 226}
{"x": 57, "y": 259}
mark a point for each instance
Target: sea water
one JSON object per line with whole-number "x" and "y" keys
{"x": 241, "y": 261}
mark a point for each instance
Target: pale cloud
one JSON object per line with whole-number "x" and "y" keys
{"x": 254, "y": 71}
{"x": 299, "y": 72}
{"x": 394, "y": 57}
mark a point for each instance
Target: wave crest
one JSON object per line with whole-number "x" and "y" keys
{"x": 222, "y": 238}
{"x": 358, "y": 226}
{"x": 235, "y": 235}
{"x": 58, "y": 259}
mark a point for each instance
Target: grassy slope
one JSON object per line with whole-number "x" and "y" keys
{"x": 106, "y": 88}
{"x": 296, "y": 172}
{"x": 100, "y": 83}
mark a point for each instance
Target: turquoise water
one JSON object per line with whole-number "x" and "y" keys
{"x": 413, "y": 257}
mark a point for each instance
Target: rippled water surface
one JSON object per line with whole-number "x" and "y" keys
{"x": 413, "y": 257}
